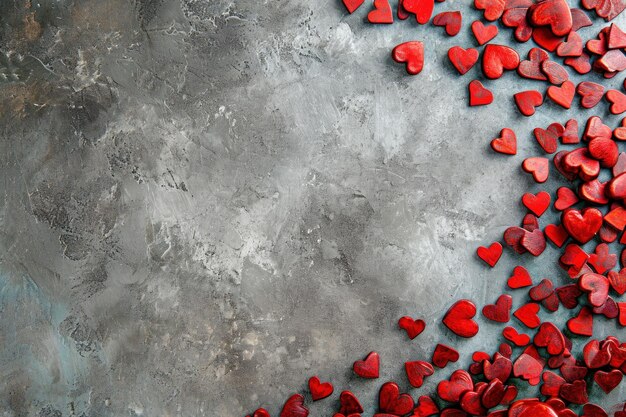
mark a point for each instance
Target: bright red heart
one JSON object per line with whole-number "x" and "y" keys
{"x": 426, "y": 407}
{"x": 565, "y": 198}
{"x": 294, "y": 407}
{"x": 582, "y": 324}
{"x": 444, "y": 354}
{"x": 550, "y": 337}
{"x": 554, "y": 13}
{"x": 319, "y": 390}
{"x": 570, "y": 132}
{"x": 368, "y": 368}
{"x": 537, "y": 203}
{"x": 352, "y": 5}
{"x": 526, "y": 101}
{"x": 582, "y": 225}
{"x": 551, "y": 383}
{"x": 450, "y": 20}
{"x": 459, "y": 383}
{"x": 618, "y": 281}
{"x": 500, "y": 311}
{"x": 391, "y": 401}
{"x": 527, "y": 314}
{"x": 493, "y": 9}
{"x": 506, "y": 143}
{"x": 617, "y": 100}
{"x": 520, "y": 278}
{"x": 482, "y": 33}
{"x": 519, "y": 339}
{"x": 478, "y": 94}
{"x": 556, "y": 233}
{"x": 538, "y": 167}
{"x": 412, "y": 327}
{"x": 563, "y": 95}
{"x": 416, "y": 371}
{"x": 412, "y": 54}
{"x": 616, "y": 218}
{"x": 490, "y": 255}
{"x": 381, "y": 13}
{"x": 462, "y": 59}
{"x": 497, "y": 58}
{"x": 605, "y": 151}
{"x": 459, "y": 319}
{"x": 528, "y": 368}
{"x": 422, "y": 9}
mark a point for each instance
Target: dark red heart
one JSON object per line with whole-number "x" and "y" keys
{"x": 294, "y": 407}
{"x": 497, "y": 58}
{"x": 368, "y": 368}
{"x": 500, "y": 311}
{"x": 444, "y": 354}
{"x": 451, "y": 21}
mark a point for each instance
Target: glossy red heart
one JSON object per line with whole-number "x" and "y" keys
{"x": 462, "y": 59}
{"x": 531, "y": 68}
{"x": 319, "y": 390}
{"x": 451, "y": 390}
{"x": 527, "y": 101}
{"x": 582, "y": 225}
{"x": 369, "y": 367}
{"x": 596, "y": 286}
{"x": 497, "y": 59}
{"x": 411, "y": 54}
{"x": 537, "y": 166}
{"x": 493, "y": 9}
{"x": 381, "y": 13}
{"x": 459, "y": 319}
{"x": 618, "y": 281}
{"x": 520, "y": 278}
{"x": 349, "y": 404}
{"x": 352, "y": 5}
{"x": 553, "y": 13}
{"x": 412, "y": 327}
{"x": 556, "y": 234}
{"x": 422, "y": 9}
{"x": 608, "y": 381}
{"x": 490, "y": 255}
{"x": 527, "y": 314}
{"x": 416, "y": 371}
{"x": 478, "y": 94}
{"x": 500, "y": 311}
{"x": 590, "y": 93}
{"x": 563, "y": 95}
{"x": 506, "y": 143}
{"x": 450, "y": 20}
{"x": 537, "y": 203}
{"x": 528, "y": 368}
{"x": 565, "y": 198}
{"x": 550, "y": 337}
{"x": 582, "y": 324}
{"x": 391, "y": 401}
{"x": 444, "y": 354}
{"x": 602, "y": 260}
{"x": 519, "y": 339}
{"x": 555, "y": 73}
{"x": 482, "y": 33}
{"x": 573, "y": 46}
{"x": 426, "y": 407}
{"x": 294, "y": 407}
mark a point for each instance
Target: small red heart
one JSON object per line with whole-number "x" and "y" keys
{"x": 548, "y": 138}
{"x": 352, "y": 5}
{"x": 617, "y": 38}
{"x": 402, "y": 14}
{"x": 482, "y": 33}
{"x": 426, "y": 407}
{"x": 542, "y": 290}
{"x": 294, "y": 407}
{"x": 497, "y": 58}
{"x": 391, "y": 401}
{"x": 602, "y": 260}
{"x": 506, "y": 143}
{"x": 478, "y": 94}
{"x": 500, "y": 311}
{"x": 530, "y": 222}
{"x": 563, "y": 95}
{"x": 519, "y": 339}
{"x": 319, "y": 390}
{"x": 608, "y": 381}
{"x": 583, "y": 225}
{"x": 349, "y": 404}
{"x": 462, "y": 59}
{"x": 573, "y": 46}
{"x": 573, "y": 259}
{"x": 537, "y": 166}
{"x": 556, "y": 233}
{"x": 596, "y": 129}
{"x": 554, "y": 13}
{"x": 551, "y": 383}
{"x": 618, "y": 281}
{"x": 580, "y": 20}
{"x": 595, "y": 356}
{"x": 582, "y": 324}
{"x": 555, "y": 73}
{"x": 493, "y": 394}
{"x": 520, "y": 278}
{"x": 444, "y": 354}
{"x": 609, "y": 309}
{"x": 581, "y": 64}
{"x": 565, "y": 198}
{"x": 459, "y": 319}
{"x": 534, "y": 242}
{"x": 531, "y": 68}
{"x": 528, "y": 368}
{"x": 568, "y": 295}
{"x": 617, "y": 100}
{"x": 450, "y": 20}
{"x": 537, "y": 203}
{"x": 590, "y": 93}
{"x": 526, "y": 101}
{"x": 422, "y": 9}
{"x": 516, "y": 18}
{"x": 594, "y": 191}
{"x": 570, "y": 132}
{"x": 490, "y": 255}
{"x": 596, "y": 286}
{"x": 381, "y": 13}
{"x": 459, "y": 383}
{"x": 513, "y": 237}
{"x": 579, "y": 161}
{"x": 470, "y": 402}
{"x": 367, "y": 368}
{"x": 412, "y": 327}
{"x": 559, "y": 164}
{"x": 412, "y": 54}
{"x": 527, "y": 314}
{"x": 550, "y": 337}
{"x": 493, "y": 9}
{"x": 416, "y": 371}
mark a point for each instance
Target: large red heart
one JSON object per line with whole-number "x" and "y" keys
{"x": 527, "y": 314}
{"x": 490, "y": 255}
{"x": 294, "y": 407}
{"x": 412, "y": 327}
{"x": 381, "y": 13}
{"x": 459, "y": 319}
{"x": 537, "y": 166}
{"x": 422, "y": 9}
{"x": 527, "y": 101}
{"x": 482, "y": 33}
{"x": 319, "y": 390}
{"x": 506, "y": 143}
{"x": 391, "y": 401}
{"x": 444, "y": 354}
{"x": 478, "y": 94}
{"x": 554, "y": 13}
{"x": 582, "y": 324}
{"x": 368, "y": 368}
{"x": 412, "y": 54}
{"x": 596, "y": 286}
{"x": 582, "y": 225}
{"x": 462, "y": 59}
{"x": 497, "y": 58}
{"x": 608, "y": 381}
{"x": 450, "y": 20}
{"x": 352, "y": 5}
{"x": 451, "y": 390}
{"x": 416, "y": 371}
{"x": 563, "y": 95}
{"x": 349, "y": 404}
{"x": 537, "y": 203}
{"x": 500, "y": 311}
{"x": 493, "y": 9}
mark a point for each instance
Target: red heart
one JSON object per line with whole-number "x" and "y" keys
{"x": 493, "y": 9}
{"x": 444, "y": 354}
{"x": 555, "y": 73}
{"x": 612, "y": 61}
{"x": 451, "y": 21}
{"x": 411, "y": 53}
{"x": 596, "y": 286}
{"x": 349, "y": 404}
{"x": 520, "y": 278}
{"x": 602, "y": 260}
{"x": 537, "y": 203}
{"x": 422, "y": 9}
{"x": 555, "y": 13}
{"x": 608, "y": 381}
{"x": 391, "y": 401}
{"x": 482, "y": 33}
{"x": 319, "y": 390}
{"x": 352, "y": 5}
{"x": 500, "y": 369}
{"x": 459, "y": 383}
{"x": 617, "y": 100}
{"x": 617, "y": 187}
{"x": 568, "y": 295}
{"x": 478, "y": 94}
{"x": 519, "y": 339}
{"x": 534, "y": 242}
{"x": 367, "y": 368}
{"x": 596, "y": 129}
{"x": 493, "y": 394}
{"x": 563, "y": 95}
{"x": 470, "y": 403}
{"x": 260, "y": 412}
{"x": 551, "y": 303}
{"x": 538, "y": 167}
{"x": 459, "y": 319}
{"x": 580, "y": 64}
{"x": 516, "y": 18}
{"x": 462, "y": 59}
{"x": 607, "y": 9}
{"x": 531, "y": 68}
{"x": 381, "y": 13}
{"x": 528, "y": 368}
{"x": 402, "y": 14}
{"x": 497, "y": 58}
{"x": 582, "y": 324}
{"x": 412, "y": 327}
{"x": 579, "y": 19}
{"x": 490, "y": 255}
{"x": 500, "y": 311}
{"x": 416, "y": 371}
{"x": 595, "y": 356}
{"x": 582, "y": 225}
{"x": 556, "y": 233}
{"x": 580, "y": 162}
{"x": 294, "y": 407}
{"x": 550, "y": 337}
{"x": 544, "y": 37}
{"x": 573, "y": 259}
{"x": 570, "y": 132}
{"x": 425, "y": 407}
{"x": 542, "y": 290}
{"x": 609, "y": 309}
{"x": 575, "y": 393}
{"x": 594, "y": 191}
{"x": 605, "y": 151}
{"x": 592, "y": 410}
{"x": 548, "y": 138}
{"x": 527, "y": 314}
{"x": 526, "y": 101}
{"x": 565, "y": 198}
{"x": 506, "y": 143}
{"x": 551, "y": 384}
{"x": 618, "y": 281}
{"x": 616, "y": 218}
{"x": 559, "y": 164}
{"x": 513, "y": 237}
{"x": 573, "y": 46}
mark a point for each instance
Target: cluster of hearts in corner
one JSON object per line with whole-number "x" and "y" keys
{"x": 592, "y": 211}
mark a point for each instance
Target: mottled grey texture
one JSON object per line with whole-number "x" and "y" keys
{"x": 206, "y": 202}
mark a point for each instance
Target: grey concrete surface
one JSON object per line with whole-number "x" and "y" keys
{"x": 207, "y": 202}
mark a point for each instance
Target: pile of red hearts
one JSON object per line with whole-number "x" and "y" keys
{"x": 592, "y": 216}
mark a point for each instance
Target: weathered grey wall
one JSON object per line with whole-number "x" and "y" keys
{"x": 206, "y": 202}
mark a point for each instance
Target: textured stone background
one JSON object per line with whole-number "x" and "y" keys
{"x": 206, "y": 202}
